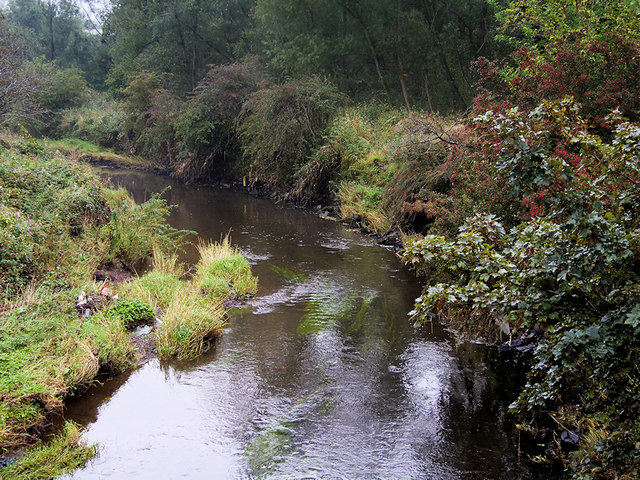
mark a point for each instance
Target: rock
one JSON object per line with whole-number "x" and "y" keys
{"x": 521, "y": 347}
{"x": 391, "y": 239}
{"x": 569, "y": 437}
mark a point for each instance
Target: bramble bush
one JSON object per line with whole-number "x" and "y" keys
{"x": 151, "y": 112}
{"x": 206, "y": 126}
{"x": 281, "y": 126}
{"x": 572, "y": 268}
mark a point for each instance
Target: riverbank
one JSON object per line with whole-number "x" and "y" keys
{"x": 65, "y": 323}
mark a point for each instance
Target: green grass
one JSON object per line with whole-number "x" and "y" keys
{"x": 64, "y": 454}
{"x": 222, "y": 261}
{"x": 85, "y": 149}
{"x": 364, "y": 200}
{"x": 190, "y": 322}
{"x": 195, "y": 313}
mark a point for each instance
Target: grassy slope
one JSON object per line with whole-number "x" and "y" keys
{"x": 58, "y": 225}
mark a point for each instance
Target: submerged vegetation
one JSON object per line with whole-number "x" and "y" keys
{"x": 59, "y": 226}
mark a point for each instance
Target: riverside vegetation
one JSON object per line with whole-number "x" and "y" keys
{"x": 58, "y": 226}
{"x": 521, "y": 214}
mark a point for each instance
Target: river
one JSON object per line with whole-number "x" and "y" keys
{"x": 319, "y": 376}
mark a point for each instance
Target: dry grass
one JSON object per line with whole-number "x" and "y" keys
{"x": 188, "y": 325}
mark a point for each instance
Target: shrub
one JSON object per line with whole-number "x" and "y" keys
{"x": 281, "y": 126}
{"x": 151, "y": 112}
{"x": 571, "y": 268}
{"x": 206, "y": 126}
{"x": 135, "y": 229}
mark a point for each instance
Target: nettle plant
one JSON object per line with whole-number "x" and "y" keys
{"x": 572, "y": 268}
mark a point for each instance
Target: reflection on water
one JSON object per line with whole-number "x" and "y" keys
{"x": 321, "y": 376}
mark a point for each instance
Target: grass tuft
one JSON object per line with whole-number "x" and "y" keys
{"x": 63, "y": 454}
{"x": 189, "y": 324}
{"x": 221, "y": 261}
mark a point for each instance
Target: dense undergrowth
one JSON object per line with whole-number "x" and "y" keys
{"x": 59, "y": 226}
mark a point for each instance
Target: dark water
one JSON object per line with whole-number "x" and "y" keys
{"x": 321, "y": 376}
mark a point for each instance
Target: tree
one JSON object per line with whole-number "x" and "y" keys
{"x": 410, "y": 51}
{"x": 20, "y": 86}
{"x": 59, "y": 31}
{"x": 174, "y": 37}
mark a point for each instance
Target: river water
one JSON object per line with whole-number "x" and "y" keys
{"x": 319, "y": 376}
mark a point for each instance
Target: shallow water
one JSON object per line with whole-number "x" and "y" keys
{"x": 321, "y": 376}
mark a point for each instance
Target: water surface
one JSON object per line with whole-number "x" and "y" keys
{"x": 321, "y": 376}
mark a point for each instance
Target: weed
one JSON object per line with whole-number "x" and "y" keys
{"x": 188, "y": 325}
{"x": 63, "y": 454}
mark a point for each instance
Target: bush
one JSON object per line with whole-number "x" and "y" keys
{"x": 135, "y": 229}
{"x": 281, "y": 126}
{"x": 571, "y": 268}
{"x": 206, "y": 126}
{"x": 151, "y": 113}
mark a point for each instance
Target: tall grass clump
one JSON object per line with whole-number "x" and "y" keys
{"x": 222, "y": 271}
{"x": 158, "y": 286}
{"x": 188, "y": 325}
{"x": 64, "y": 454}
{"x": 360, "y": 139}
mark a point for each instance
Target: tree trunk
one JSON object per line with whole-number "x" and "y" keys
{"x": 52, "y": 45}
{"x": 372, "y": 49}
{"x": 401, "y": 73}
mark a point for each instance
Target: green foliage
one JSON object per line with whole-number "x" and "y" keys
{"x": 59, "y": 31}
{"x": 539, "y": 23}
{"x": 100, "y": 121}
{"x": 373, "y": 49}
{"x": 45, "y": 201}
{"x": 182, "y": 39}
{"x": 206, "y": 126}
{"x": 572, "y": 268}
{"x": 131, "y": 313}
{"x": 280, "y": 126}
{"x": 135, "y": 229}
{"x": 68, "y": 89}
{"x": 151, "y": 111}
{"x": 64, "y": 454}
